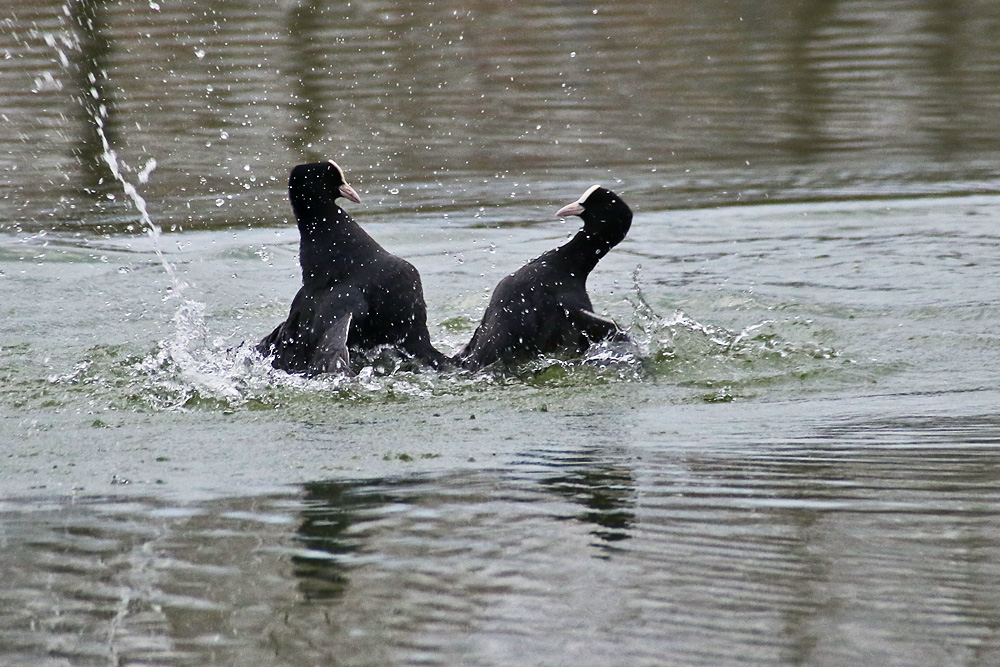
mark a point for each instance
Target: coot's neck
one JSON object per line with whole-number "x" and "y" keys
{"x": 581, "y": 253}
{"x": 331, "y": 241}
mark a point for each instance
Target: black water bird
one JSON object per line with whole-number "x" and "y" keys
{"x": 355, "y": 295}
{"x": 543, "y": 307}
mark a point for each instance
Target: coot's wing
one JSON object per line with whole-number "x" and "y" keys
{"x": 502, "y": 325}
{"x": 331, "y": 355}
{"x": 595, "y": 327}
{"x": 336, "y": 309}
{"x": 288, "y": 345}
{"x": 267, "y": 344}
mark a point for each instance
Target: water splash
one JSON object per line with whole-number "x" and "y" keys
{"x": 723, "y": 364}
{"x": 151, "y": 229}
{"x": 209, "y": 376}
{"x": 187, "y": 348}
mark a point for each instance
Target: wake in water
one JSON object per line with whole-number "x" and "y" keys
{"x": 194, "y": 369}
{"x": 722, "y": 364}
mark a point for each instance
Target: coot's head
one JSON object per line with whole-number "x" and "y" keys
{"x": 604, "y": 213}
{"x": 319, "y": 182}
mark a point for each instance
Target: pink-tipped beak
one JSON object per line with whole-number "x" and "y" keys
{"x": 576, "y": 208}
{"x": 349, "y": 192}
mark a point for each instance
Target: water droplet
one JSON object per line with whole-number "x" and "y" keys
{"x": 147, "y": 170}
{"x": 224, "y": 135}
{"x": 199, "y": 53}
{"x": 220, "y": 202}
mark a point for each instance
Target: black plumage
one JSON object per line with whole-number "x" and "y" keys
{"x": 543, "y": 307}
{"x": 355, "y": 295}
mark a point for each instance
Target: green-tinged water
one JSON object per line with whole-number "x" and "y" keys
{"x": 796, "y": 463}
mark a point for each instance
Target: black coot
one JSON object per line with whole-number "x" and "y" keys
{"x": 543, "y": 307}
{"x": 354, "y": 295}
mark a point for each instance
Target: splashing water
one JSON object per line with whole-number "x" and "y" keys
{"x": 198, "y": 363}
{"x": 726, "y": 364}
{"x": 152, "y": 229}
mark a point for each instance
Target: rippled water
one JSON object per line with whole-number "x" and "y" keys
{"x": 796, "y": 464}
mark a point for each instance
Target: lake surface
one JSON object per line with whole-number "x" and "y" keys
{"x": 797, "y": 464}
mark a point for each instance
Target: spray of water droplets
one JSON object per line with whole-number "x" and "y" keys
{"x": 203, "y": 365}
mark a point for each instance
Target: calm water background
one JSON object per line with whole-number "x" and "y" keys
{"x": 799, "y": 466}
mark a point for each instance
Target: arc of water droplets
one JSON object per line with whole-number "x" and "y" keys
{"x": 189, "y": 319}
{"x": 152, "y": 229}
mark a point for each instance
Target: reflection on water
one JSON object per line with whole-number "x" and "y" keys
{"x": 95, "y": 97}
{"x": 329, "y": 511}
{"x": 603, "y": 489}
{"x": 448, "y": 103}
{"x": 334, "y": 514}
{"x": 820, "y": 551}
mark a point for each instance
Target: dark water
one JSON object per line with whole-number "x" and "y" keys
{"x": 463, "y": 104}
{"x": 796, "y": 465}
